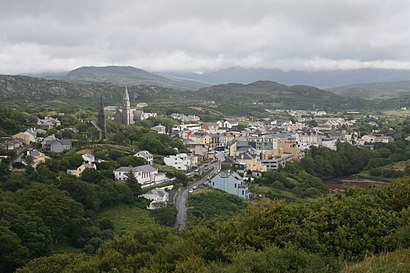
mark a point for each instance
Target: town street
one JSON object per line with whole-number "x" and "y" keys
{"x": 182, "y": 196}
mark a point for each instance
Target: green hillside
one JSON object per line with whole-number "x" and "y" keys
{"x": 31, "y": 92}
{"x": 266, "y": 92}
{"x": 228, "y": 99}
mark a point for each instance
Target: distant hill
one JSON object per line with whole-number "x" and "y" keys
{"x": 234, "y": 98}
{"x": 37, "y": 92}
{"x": 267, "y": 92}
{"x": 321, "y": 79}
{"x": 129, "y": 76}
{"x": 377, "y": 90}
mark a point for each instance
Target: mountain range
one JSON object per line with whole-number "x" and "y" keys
{"x": 128, "y": 75}
{"x": 273, "y": 93}
{"x": 376, "y": 90}
{"x": 321, "y": 79}
{"x": 89, "y": 82}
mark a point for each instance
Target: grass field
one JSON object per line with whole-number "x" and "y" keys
{"x": 393, "y": 262}
{"x": 397, "y": 166}
{"x": 264, "y": 190}
{"x": 366, "y": 174}
{"x": 127, "y": 218}
{"x": 399, "y": 113}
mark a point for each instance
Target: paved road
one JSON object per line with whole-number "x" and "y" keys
{"x": 182, "y": 196}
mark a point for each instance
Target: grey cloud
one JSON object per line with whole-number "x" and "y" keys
{"x": 203, "y": 35}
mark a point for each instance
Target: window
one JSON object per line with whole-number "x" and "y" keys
{"x": 235, "y": 185}
{"x": 243, "y": 192}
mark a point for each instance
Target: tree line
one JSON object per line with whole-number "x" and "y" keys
{"x": 309, "y": 235}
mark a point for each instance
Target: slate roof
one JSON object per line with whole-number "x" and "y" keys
{"x": 143, "y": 168}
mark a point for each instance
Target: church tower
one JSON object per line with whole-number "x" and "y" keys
{"x": 101, "y": 115}
{"x": 126, "y": 108}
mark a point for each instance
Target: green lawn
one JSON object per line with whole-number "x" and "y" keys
{"x": 397, "y": 166}
{"x": 392, "y": 262}
{"x": 127, "y": 218}
{"x": 164, "y": 168}
{"x": 280, "y": 194}
{"x": 366, "y": 174}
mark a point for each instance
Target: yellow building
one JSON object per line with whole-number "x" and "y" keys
{"x": 252, "y": 162}
{"x": 233, "y": 146}
{"x": 77, "y": 172}
{"x": 36, "y": 157}
{"x": 289, "y": 146}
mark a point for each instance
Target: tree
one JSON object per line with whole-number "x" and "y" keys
{"x": 12, "y": 253}
{"x": 33, "y": 234}
{"x": 165, "y": 215}
{"x": 85, "y": 193}
{"x": 51, "y": 264}
{"x": 133, "y": 184}
{"x": 56, "y": 208}
{"x": 92, "y": 176}
{"x": 181, "y": 177}
{"x": 4, "y": 171}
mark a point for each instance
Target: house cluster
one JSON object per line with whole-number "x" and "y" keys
{"x": 32, "y": 142}
{"x": 31, "y": 157}
{"x": 266, "y": 144}
{"x": 48, "y": 123}
{"x": 185, "y": 118}
{"x": 35, "y": 137}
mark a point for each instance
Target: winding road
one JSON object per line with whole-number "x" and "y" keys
{"x": 182, "y": 196}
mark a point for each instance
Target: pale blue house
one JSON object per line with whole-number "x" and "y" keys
{"x": 230, "y": 182}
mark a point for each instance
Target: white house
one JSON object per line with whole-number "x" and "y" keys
{"x": 145, "y": 174}
{"x": 89, "y": 158}
{"x": 308, "y": 138}
{"x": 146, "y": 155}
{"x": 48, "y": 123}
{"x": 329, "y": 143}
{"x": 181, "y": 161}
{"x": 160, "y": 129}
{"x": 227, "y": 123}
{"x": 159, "y": 197}
{"x": 230, "y": 182}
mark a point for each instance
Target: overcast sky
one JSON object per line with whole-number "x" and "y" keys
{"x": 201, "y": 35}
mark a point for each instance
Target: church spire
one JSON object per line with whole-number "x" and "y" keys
{"x": 101, "y": 114}
{"x": 126, "y": 109}
{"x": 126, "y": 98}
